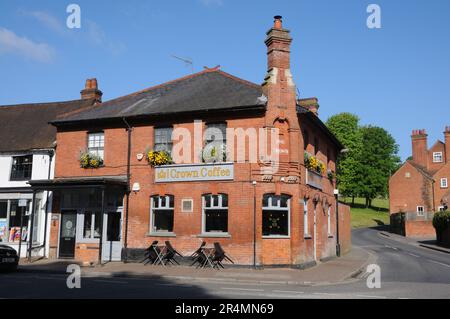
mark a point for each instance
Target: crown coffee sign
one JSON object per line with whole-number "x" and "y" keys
{"x": 194, "y": 173}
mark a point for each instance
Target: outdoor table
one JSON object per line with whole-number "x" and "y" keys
{"x": 159, "y": 254}
{"x": 208, "y": 252}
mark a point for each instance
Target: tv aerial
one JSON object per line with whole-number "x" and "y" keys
{"x": 187, "y": 61}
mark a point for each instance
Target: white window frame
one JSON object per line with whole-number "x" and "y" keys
{"x": 191, "y": 201}
{"x": 167, "y": 144}
{"x": 420, "y": 210}
{"x": 81, "y": 215}
{"x": 444, "y": 182}
{"x": 219, "y": 206}
{"x": 278, "y": 207}
{"x": 305, "y": 219}
{"x": 96, "y": 144}
{"x": 438, "y": 157}
{"x": 160, "y": 207}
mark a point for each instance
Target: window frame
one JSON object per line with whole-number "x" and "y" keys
{"x": 441, "y": 156}
{"x": 420, "y": 212}
{"x": 219, "y": 206}
{"x": 444, "y": 182}
{"x": 166, "y": 207}
{"x": 271, "y": 207}
{"x": 329, "y": 222}
{"x": 94, "y": 150}
{"x": 26, "y": 220}
{"x": 306, "y": 232}
{"x": 22, "y": 177}
{"x": 168, "y": 143}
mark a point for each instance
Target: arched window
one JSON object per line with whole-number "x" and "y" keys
{"x": 215, "y": 213}
{"x": 276, "y": 215}
{"x": 161, "y": 217}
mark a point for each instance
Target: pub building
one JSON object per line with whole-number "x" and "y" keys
{"x": 121, "y": 182}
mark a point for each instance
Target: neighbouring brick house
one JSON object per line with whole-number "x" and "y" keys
{"x": 262, "y": 215}
{"x": 420, "y": 187}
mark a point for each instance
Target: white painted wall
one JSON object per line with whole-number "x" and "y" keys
{"x": 40, "y": 169}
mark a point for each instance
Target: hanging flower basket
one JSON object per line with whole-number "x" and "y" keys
{"x": 88, "y": 160}
{"x": 313, "y": 164}
{"x": 159, "y": 158}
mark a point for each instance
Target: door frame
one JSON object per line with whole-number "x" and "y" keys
{"x": 105, "y": 242}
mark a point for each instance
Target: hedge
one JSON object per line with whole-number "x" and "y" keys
{"x": 441, "y": 221}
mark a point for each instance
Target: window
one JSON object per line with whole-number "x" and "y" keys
{"x": 13, "y": 215}
{"x": 305, "y": 218}
{"x": 96, "y": 144}
{"x": 420, "y": 210}
{"x": 437, "y": 157}
{"x": 444, "y": 183}
{"x": 91, "y": 225}
{"x": 329, "y": 220}
{"x": 275, "y": 215}
{"x": 21, "y": 168}
{"x": 305, "y": 140}
{"x": 163, "y": 139}
{"x": 187, "y": 205}
{"x": 162, "y": 214}
{"x": 216, "y": 132}
{"x": 215, "y": 211}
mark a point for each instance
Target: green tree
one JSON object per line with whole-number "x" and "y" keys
{"x": 377, "y": 160}
{"x": 345, "y": 126}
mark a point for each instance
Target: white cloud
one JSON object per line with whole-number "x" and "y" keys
{"x": 98, "y": 37}
{"x": 212, "y": 2}
{"x": 47, "y": 20}
{"x": 22, "y": 46}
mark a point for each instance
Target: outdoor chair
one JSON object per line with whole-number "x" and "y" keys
{"x": 169, "y": 256}
{"x": 151, "y": 253}
{"x": 220, "y": 256}
{"x": 198, "y": 251}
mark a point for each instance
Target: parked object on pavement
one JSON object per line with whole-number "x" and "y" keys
{"x": 170, "y": 253}
{"x": 219, "y": 256}
{"x": 196, "y": 253}
{"x": 9, "y": 260}
{"x": 151, "y": 253}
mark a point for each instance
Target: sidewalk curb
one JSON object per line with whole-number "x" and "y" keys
{"x": 413, "y": 243}
{"x": 442, "y": 250}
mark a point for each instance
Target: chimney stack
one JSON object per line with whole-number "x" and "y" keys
{"x": 91, "y": 91}
{"x": 420, "y": 147}
{"x": 447, "y": 144}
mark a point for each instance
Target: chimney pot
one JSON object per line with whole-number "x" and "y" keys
{"x": 278, "y": 23}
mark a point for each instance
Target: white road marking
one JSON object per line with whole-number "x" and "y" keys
{"x": 437, "y": 262}
{"x": 323, "y": 294}
{"x": 288, "y": 291}
{"x": 414, "y": 255}
{"x": 243, "y": 289}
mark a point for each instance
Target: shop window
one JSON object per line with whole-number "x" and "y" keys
{"x": 96, "y": 144}
{"x": 18, "y": 216}
{"x": 21, "y": 168}
{"x": 215, "y": 212}
{"x": 275, "y": 214}
{"x": 163, "y": 139}
{"x": 91, "y": 225}
{"x": 162, "y": 208}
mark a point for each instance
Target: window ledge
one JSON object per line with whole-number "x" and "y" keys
{"x": 276, "y": 237}
{"x": 308, "y": 237}
{"x": 214, "y": 235}
{"x": 161, "y": 234}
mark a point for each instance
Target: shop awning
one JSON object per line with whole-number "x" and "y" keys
{"x": 78, "y": 182}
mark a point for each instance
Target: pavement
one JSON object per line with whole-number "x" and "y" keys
{"x": 424, "y": 242}
{"x": 336, "y": 270}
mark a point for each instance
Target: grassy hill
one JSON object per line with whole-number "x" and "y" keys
{"x": 376, "y": 215}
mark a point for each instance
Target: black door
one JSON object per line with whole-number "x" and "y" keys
{"x": 67, "y": 238}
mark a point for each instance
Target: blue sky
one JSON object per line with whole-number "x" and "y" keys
{"x": 397, "y": 77}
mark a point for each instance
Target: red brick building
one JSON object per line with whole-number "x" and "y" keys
{"x": 420, "y": 187}
{"x": 262, "y": 211}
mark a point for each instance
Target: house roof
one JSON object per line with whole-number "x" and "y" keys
{"x": 26, "y": 127}
{"x": 420, "y": 169}
{"x": 209, "y": 90}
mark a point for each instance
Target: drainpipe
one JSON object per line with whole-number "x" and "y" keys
{"x": 127, "y": 200}
{"x": 254, "y": 224}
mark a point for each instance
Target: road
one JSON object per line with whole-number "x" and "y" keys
{"x": 407, "y": 271}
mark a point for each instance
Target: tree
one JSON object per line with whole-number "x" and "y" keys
{"x": 345, "y": 126}
{"x": 377, "y": 160}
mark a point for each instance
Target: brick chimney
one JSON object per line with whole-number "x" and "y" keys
{"x": 91, "y": 91}
{"x": 278, "y": 85}
{"x": 447, "y": 144}
{"x": 420, "y": 147}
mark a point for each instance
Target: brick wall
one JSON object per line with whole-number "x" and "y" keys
{"x": 419, "y": 228}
